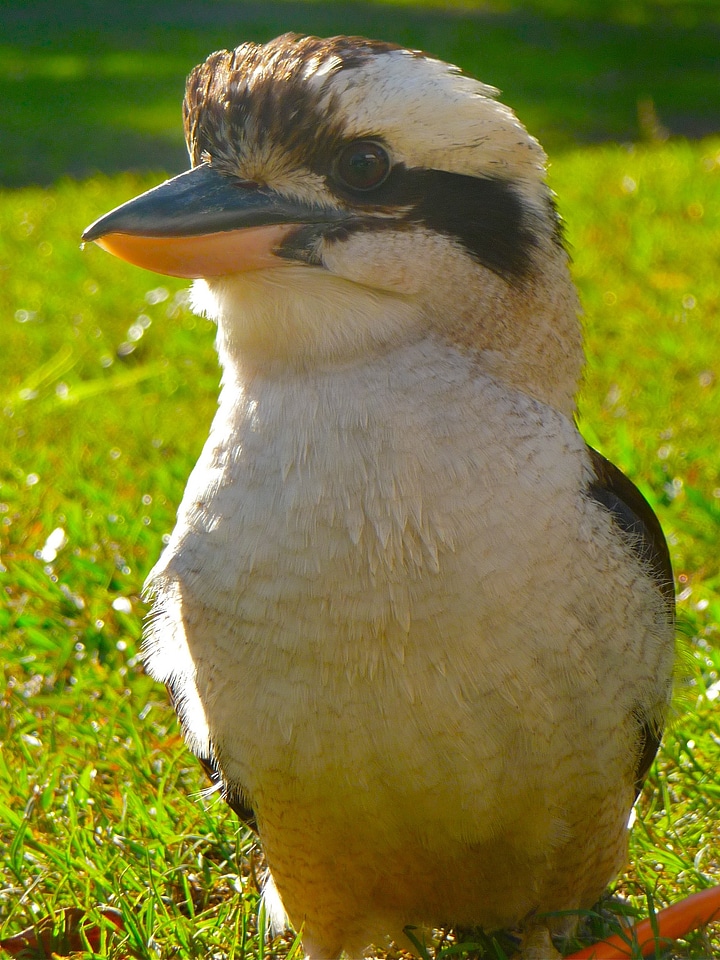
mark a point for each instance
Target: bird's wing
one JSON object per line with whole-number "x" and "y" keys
{"x": 634, "y": 516}
{"x": 234, "y": 799}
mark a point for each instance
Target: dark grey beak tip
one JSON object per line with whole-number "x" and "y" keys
{"x": 93, "y": 231}
{"x": 202, "y": 201}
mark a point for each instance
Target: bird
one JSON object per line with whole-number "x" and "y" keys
{"x": 418, "y": 631}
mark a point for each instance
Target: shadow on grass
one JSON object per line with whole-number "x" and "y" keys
{"x": 93, "y": 85}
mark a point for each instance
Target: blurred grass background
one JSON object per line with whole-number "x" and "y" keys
{"x": 97, "y": 85}
{"x": 108, "y": 385}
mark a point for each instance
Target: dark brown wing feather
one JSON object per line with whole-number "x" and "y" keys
{"x": 244, "y": 811}
{"x": 233, "y": 798}
{"x": 635, "y": 518}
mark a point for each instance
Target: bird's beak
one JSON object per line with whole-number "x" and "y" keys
{"x": 205, "y": 224}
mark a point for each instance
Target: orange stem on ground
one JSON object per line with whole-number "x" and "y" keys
{"x": 672, "y": 923}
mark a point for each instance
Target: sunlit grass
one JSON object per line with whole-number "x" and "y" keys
{"x": 108, "y": 385}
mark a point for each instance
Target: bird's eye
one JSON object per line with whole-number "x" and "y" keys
{"x": 362, "y": 165}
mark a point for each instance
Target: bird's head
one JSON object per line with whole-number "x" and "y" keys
{"x": 347, "y": 196}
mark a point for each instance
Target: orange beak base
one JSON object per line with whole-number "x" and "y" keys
{"x": 206, "y": 255}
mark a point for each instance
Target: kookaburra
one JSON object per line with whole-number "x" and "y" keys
{"x": 421, "y": 633}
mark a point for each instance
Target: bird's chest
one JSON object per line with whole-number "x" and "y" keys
{"x": 357, "y": 508}
{"x": 336, "y": 549}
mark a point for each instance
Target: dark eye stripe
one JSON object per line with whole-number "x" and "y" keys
{"x": 487, "y": 216}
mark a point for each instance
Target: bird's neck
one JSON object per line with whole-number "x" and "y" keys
{"x": 292, "y": 321}
{"x": 526, "y": 331}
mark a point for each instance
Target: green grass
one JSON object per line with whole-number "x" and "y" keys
{"x": 108, "y": 385}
